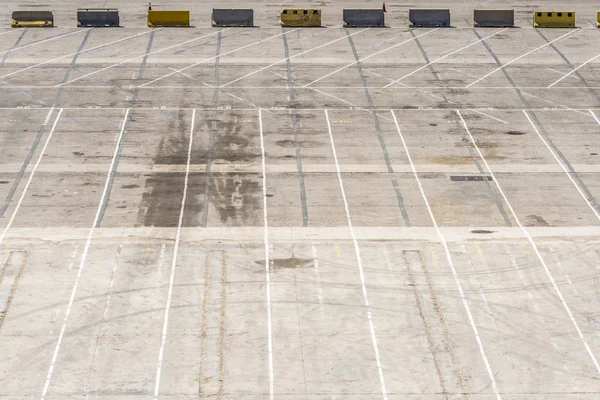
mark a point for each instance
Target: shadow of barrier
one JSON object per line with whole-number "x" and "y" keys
{"x": 363, "y": 18}
{"x": 232, "y": 17}
{"x": 429, "y": 17}
{"x": 494, "y": 18}
{"x": 168, "y": 18}
{"x": 98, "y": 17}
{"x": 300, "y": 17}
{"x": 554, "y": 19}
{"x": 32, "y": 19}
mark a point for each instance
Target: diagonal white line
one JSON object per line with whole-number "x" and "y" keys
{"x": 463, "y": 297}
{"x": 174, "y": 263}
{"x": 442, "y": 57}
{"x": 140, "y": 56}
{"x": 574, "y": 70}
{"x": 10, "y": 31}
{"x": 214, "y": 57}
{"x": 77, "y": 52}
{"x": 369, "y": 56}
{"x": 521, "y": 56}
{"x": 533, "y": 245}
{"x": 45, "y": 40}
{"x": 35, "y": 167}
{"x": 294, "y": 56}
{"x": 88, "y": 242}
{"x": 562, "y": 165}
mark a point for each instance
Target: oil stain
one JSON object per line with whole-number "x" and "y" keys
{"x": 515, "y": 133}
{"x": 288, "y": 263}
{"x": 483, "y": 231}
{"x": 161, "y": 200}
{"x": 536, "y": 220}
{"x": 305, "y": 144}
{"x": 237, "y": 198}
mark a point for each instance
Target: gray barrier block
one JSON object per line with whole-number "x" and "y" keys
{"x": 98, "y": 17}
{"x": 365, "y": 18}
{"x": 32, "y": 18}
{"x": 232, "y": 17}
{"x": 429, "y": 17}
{"x": 494, "y": 18}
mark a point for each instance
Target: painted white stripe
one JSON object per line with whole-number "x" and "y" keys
{"x": 140, "y": 56}
{"x": 595, "y": 117}
{"x": 369, "y": 56}
{"x": 10, "y": 31}
{"x": 487, "y": 115}
{"x": 35, "y": 167}
{"x": 174, "y": 263}
{"x": 86, "y": 248}
{"x": 562, "y": 165}
{"x": 552, "y": 102}
{"x": 360, "y": 265}
{"x": 573, "y": 71}
{"x": 289, "y": 58}
{"x": 44, "y": 41}
{"x": 463, "y": 297}
{"x": 72, "y": 54}
{"x": 442, "y": 57}
{"x": 267, "y": 263}
{"x": 213, "y": 58}
{"x": 533, "y": 245}
{"x": 521, "y": 56}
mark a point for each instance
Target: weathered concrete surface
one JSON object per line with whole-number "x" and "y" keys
{"x": 150, "y": 84}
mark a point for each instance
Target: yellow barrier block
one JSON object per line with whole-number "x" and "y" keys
{"x": 30, "y": 24}
{"x": 554, "y": 19}
{"x": 598, "y": 20}
{"x": 168, "y": 18}
{"x": 300, "y": 17}
{"x": 29, "y": 19}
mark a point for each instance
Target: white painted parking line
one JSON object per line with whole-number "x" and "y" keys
{"x": 174, "y": 263}
{"x": 10, "y": 31}
{"x": 520, "y": 57}
{"x": 46, "y": 40}
{"x": 32, "y": 173}
{"x": 369, "y": 56}
{"x": 552, "y": 102}
{"x": 267, "y": 253}
{"x": 442, "y": 57}
{"x": 86, "y": 248}
{"x": 291, "y": 57}
{"x": 72, "y": 54}
{"x": 533, "y": 245}
{"x": 213, "y": 58}
{"x": 574, "y": 70}
{"x": 463, "y": 297}
{"x": 562, "y": 165}
{"x": 359, "y": 261}
{"x": 140, "y": 56}
{"x": 595, "y": 117}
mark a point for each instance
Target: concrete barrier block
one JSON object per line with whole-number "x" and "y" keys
{"x": 97, "y": 17}
{"x": 173, "y": 18}
{"x": 429, "y": 17}
{"x": 364, "y": 18}
{"x": 494, "y": 18}
{"x": 232, "y": 17}
{"x": 32, "y": 19}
